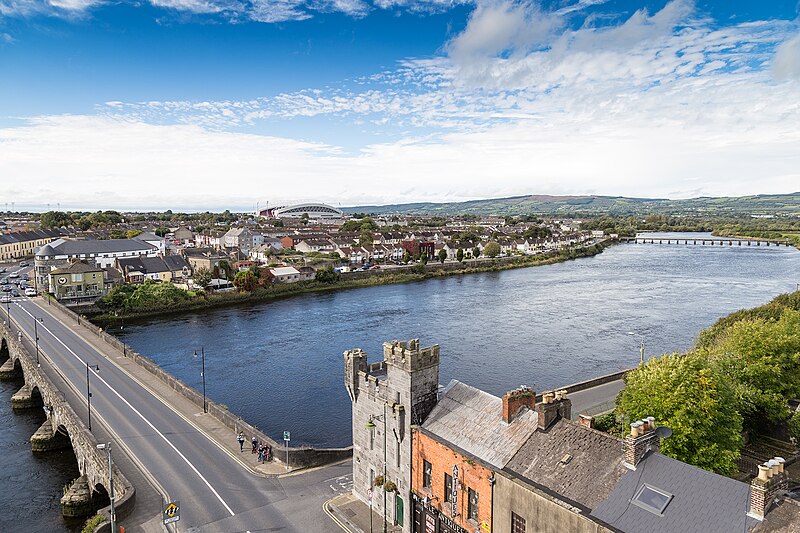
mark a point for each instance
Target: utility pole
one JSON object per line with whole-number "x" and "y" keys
{"x": 203, "y": 375}
{"x": 96, "y": 368}
{"x": 107, "y": 448}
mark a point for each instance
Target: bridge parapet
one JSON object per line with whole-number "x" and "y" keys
{"x": 63, "y": 421}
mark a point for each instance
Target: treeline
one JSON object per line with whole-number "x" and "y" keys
{"x": 736, "y": 380}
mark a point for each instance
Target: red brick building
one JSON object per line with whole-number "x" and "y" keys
{"x": 468, "y": 436}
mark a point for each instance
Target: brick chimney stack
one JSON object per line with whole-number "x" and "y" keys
{"x": 515, "y": 400}
{"x": 641, "y": 439}
{"x": 763, "y": 489}
{"x": 554, "y": 405}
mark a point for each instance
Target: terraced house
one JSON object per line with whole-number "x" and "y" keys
{"x": 22, "y": 244}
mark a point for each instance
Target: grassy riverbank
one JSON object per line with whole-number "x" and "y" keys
{"x": 169, "y": 301}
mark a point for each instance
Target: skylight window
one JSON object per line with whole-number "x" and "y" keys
{"x": 652, "y": 499}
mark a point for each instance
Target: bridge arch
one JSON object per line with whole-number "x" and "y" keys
{"x": 36, "y": 397}
{"x": 100, "y": 496}
{"x": 3, "y": 350}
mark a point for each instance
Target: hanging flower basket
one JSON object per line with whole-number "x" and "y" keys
{"x": 390, "y": 486}
{"x": 378, "y": 481}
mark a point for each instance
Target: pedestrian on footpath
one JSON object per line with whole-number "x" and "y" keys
{"x": 260, "y": 454}
{"x": 240, "y": 438}
{"x": 254, "y": 442}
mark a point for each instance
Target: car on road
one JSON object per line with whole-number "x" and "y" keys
{"x": 6, "y": 288}
{"x": 5, "y": 299}
{"x": 15, "y": 293}
{"x": 30, "y": 291}
{"x": 23, "y": 263}
{"x": 13, "y": 275}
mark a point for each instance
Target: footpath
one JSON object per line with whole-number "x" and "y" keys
{"x": 353, "y": 515}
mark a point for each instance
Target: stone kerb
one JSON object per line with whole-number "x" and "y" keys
{"x": 298, "y": 456}
{"x": 91, "y": 461}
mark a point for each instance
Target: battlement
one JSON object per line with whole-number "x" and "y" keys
{"x": 409, "y": 356}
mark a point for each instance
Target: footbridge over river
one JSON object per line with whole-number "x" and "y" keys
{"x": 704, "y": 241}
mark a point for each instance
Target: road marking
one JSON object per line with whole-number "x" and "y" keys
{"x": 146, "y": 421}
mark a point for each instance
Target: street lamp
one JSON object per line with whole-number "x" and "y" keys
{"x": 36, "y": 337}
{"x": 371, "y": 427}
{"x": 107, "y": 448}
{"x": 641, "y": 349}
{"x": 96, "y": 369}
{"x": 203, "y": 374}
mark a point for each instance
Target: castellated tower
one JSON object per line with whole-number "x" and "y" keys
{"x": 393, "y": 394}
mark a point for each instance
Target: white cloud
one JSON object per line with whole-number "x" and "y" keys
{"x": 787, "y": 59}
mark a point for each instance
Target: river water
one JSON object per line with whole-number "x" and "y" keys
{"x": 279, "y": 364}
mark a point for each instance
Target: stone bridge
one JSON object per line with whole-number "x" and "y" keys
{"x": 62, "y": 428}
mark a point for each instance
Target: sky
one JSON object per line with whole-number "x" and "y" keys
{"x": 237, "y": 104}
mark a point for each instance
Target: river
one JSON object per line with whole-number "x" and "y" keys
{"x": 279, "y": 364}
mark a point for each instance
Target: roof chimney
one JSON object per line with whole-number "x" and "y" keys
{"x": 642, "y": 438}
{"x": 515, "y": 400}
{"x": 763, "y": 489}
{"x": 554, "y": 405}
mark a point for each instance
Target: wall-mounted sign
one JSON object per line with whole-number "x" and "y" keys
{"x": 454, "y": 490}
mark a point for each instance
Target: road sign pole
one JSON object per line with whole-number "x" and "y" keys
{"x": 286, "y": 439}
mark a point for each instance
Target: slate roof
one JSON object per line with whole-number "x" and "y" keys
{"x": 70, "y": 247}
{"x": 588, "y": 477}
{"x": 703, "y": 502}
{"x": 34, "y": 235}
{"x": 471, "y": 420}
{"x": 75, "y": 267}
{"x": 151, "y": 265}
{"x": 284, "y": 271}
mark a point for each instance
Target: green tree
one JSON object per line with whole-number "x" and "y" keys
{"x": 476, "y": 252}
{"x": 424, "y": 258}
{"x": 460, "y": 255}
{"x": 202, "y": 277}
{"x": 492, "y": 249}
{"x": 442, "y": 255}
{"x": 762, "y": 358}
{"x": 327, "y": 275}
{"x": 245, "y": 281}
{"x": 304, "y": 218}
{"x": 794, "y": 427}
{"x": 55, "y": 219}
{"x": 225, "y": 269}
{"x": 692, "y": 397}
{"x": 161, "y": 231}
{"x": 366, "y": 238}
{"x": 131, "y": 233}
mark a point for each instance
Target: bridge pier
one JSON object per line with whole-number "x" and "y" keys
{"x": 47, "y": 440}
{"x": 77, "y": 499}
{"x": 10, "y": 371}
{"x": 25, "y": 398}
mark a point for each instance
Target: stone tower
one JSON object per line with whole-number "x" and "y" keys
{"x": 394, "y": 393}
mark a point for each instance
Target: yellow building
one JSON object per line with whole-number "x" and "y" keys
{"x": 22, "y": 244}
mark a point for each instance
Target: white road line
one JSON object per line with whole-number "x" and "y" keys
{"x": 146, "y": 421}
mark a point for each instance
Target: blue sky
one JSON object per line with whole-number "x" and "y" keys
{"x": 103, "y": 103}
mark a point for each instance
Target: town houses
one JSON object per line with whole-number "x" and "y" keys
{"x": 461, "y": 460}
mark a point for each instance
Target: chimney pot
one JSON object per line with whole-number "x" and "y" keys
{"x": 763, "y": 473}
{"x": 781, "y": 462}
{"x": 651, "y": 422}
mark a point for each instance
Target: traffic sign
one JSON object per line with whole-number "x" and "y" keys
{"x": 369, "y": 494}
{"x": 172, "y": 512}
{"x": 286, "y": 436}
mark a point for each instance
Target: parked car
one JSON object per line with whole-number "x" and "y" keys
{"x": 30, "y": 291}
{"x": 6, "y": 288}
{"x": 15, "y": 293}
{"x": 23, "y": 263}
{"x": 13, "y": 275}
{"x": 5, "y": 299}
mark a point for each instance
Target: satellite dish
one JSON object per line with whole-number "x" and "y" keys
{"x": 663, "y": 432}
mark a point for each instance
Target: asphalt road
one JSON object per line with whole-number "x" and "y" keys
{"x": 216, "y": 492}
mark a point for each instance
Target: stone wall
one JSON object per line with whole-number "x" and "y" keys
{"x": 92, "y": 463}
{"x": 298, "y": 456}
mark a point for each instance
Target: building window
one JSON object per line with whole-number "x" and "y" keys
{"x": 448, "y": 487}
{"x": 517, "y": 523}
{"x": 472, "y": 505}
{"x": 427, "y": 470}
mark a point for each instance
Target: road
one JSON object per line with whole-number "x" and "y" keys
{"x": 215, "y": 490}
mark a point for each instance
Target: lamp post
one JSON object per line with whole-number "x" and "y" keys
{"x": 641, "y": 349}
{"x": 96, "y": 368}
{"x": 107, "y": 448}
{"x": 36, "y": 337}
{"x": 203, "y": 374}
{"x": 371, "y": 427}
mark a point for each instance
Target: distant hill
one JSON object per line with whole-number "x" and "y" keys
{"x": 762, "y": 204}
